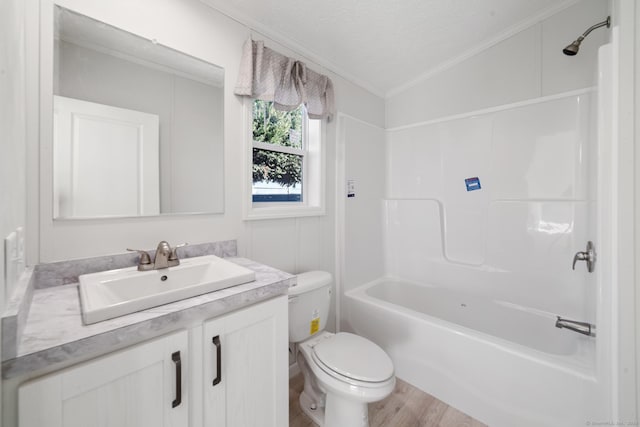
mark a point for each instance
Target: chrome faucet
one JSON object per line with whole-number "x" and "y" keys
{"x": 163, "y": 252}
{"x": 165, "y": 257}
{"x": 575, "y": 326}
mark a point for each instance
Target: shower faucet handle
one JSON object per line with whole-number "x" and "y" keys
{"x": 589, "y": 256}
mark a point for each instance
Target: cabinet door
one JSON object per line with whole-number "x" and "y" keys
{"x": 246, "y": 367}
{"x": 142, "y": 386}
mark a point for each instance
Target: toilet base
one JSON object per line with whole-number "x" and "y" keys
{"x": 316, "y": 415}
{"x": 341, "y": 412}
{"x": 347, "y": 413}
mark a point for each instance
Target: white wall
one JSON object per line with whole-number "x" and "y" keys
{"x": 363, "y": 145}
{"x": 12, "y": 128}
{"x": 526, "y": 65}
{"x": 12, "y": 125}
{"x": 293, "y": 245}
{"x": 626, "y": 367}
{"x": 635, "y": 89}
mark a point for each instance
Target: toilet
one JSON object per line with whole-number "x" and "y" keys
{"x": 342, "y": 372}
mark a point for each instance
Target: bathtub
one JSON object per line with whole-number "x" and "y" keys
{"x": 500, "y": 363}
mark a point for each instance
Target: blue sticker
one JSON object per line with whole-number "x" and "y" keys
{"x": 472, "y": 183}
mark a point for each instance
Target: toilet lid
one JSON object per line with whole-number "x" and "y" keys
{"x": 354, "y": 357}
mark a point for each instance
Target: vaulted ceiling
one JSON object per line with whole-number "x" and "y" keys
{"x": 385, "y": 44}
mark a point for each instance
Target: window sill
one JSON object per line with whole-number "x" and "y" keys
{"x": 275, "y": 212}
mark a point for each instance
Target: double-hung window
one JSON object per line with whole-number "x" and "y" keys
{"x": 286, "y": 163}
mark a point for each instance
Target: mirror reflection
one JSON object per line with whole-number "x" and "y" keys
{"x": 138, "y": 127}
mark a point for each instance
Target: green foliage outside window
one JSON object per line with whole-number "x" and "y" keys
{"x": 282, "y": 128}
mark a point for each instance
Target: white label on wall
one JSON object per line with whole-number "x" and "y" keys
{"x": 351, "y": 188}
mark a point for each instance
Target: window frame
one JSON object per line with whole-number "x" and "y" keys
{"x": 313, "y": 172}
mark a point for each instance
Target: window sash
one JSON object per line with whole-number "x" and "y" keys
{"x": 313, "y": 203}
{"x": 301, "y": 152}
{"x": 279, "y": 148}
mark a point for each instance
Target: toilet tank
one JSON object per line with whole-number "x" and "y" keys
{"x": 309, "y": 303}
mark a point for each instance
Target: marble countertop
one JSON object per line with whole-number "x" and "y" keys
{"x": 54, "y": 333}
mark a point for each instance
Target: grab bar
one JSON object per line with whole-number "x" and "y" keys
{"x": 583, "y": 328}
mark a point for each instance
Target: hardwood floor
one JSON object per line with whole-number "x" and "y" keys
{"x": 405, "y": 407}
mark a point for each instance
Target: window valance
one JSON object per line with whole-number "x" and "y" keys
{"x": 270, "y": 76}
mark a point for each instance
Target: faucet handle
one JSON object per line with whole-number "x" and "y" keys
{"x": 174, "y": 251}
{"x": 145, "y": 259}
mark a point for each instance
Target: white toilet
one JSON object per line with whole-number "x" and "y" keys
{"x": 342, "y": 372}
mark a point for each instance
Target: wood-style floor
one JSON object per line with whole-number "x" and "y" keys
{"x": 406, "y": 407}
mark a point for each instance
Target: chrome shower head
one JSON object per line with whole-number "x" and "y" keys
{"x": 573, "y": 48}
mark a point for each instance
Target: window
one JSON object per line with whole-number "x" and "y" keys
{"x": 286, "y": 163}
{"x": 279, "y": 152}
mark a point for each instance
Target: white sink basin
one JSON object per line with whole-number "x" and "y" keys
{"x": 114, "y": 293}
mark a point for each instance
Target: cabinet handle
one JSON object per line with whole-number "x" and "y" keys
{"x": 176, "y": 359}
{"x": 216, "y": 342}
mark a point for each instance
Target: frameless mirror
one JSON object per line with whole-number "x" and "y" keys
{"x": 138, "y": 127}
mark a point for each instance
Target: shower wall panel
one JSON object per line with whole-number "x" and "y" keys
{"x": 495, "y": 202}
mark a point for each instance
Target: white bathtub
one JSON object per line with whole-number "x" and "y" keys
{"x": 502, "y": 364}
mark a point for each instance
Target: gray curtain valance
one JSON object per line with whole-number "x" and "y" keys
{"x": 270, "y": 76}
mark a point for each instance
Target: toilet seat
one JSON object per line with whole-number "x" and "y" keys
{"x": 353, "y": 359}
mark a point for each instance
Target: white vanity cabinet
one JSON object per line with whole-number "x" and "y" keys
{"x": 141, "y": 386}
{"x": 169, "y": 381}
{"x": 245, "y": 367}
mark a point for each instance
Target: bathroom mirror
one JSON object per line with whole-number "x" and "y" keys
{"x": 138, "y": 127}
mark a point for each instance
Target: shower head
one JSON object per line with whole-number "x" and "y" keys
{"x": 573, "y": 48}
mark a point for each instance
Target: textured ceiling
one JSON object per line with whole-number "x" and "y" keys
{"x": 385, "y": 44}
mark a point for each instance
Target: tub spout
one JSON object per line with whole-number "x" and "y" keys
{"x": 575, "y": 326}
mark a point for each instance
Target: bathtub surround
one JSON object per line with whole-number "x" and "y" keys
{"x": 543, "y": 182}
{"x": 515, "y": 237}
{"x": 506, "y": 246}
